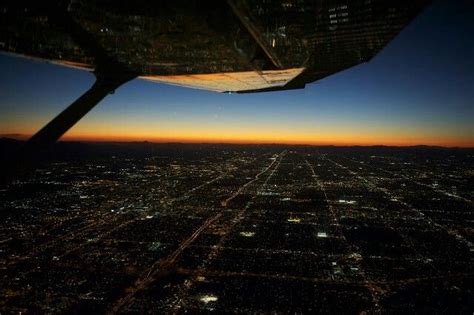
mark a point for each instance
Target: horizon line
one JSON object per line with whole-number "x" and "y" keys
{"x": 24, "y": 138}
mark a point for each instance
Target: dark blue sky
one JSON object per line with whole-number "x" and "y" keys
{"x": 419, "y": 89}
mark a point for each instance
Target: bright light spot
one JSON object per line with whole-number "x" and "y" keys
{"x": 348, "y": 202}
{"x": 247, "y": 234}
{"x": 294, "y": 220}
{"x": 322, "y": 234}
{"x": 208, "y": 298}
{"x": 355, "y": 256}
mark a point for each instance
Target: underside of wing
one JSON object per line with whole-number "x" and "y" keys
{"x": 223, "y": 46}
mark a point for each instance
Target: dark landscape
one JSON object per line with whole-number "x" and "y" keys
{"x": 175, "y": 228}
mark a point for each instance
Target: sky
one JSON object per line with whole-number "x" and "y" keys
{"x": 418, "y": 90}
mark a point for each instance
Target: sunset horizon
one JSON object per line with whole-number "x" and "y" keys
{"x": 466, "y": 144}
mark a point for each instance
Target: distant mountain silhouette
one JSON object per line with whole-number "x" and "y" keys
{"x": 81, "y": 149}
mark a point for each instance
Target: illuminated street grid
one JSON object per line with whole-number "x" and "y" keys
{"x": 242, "y": 229}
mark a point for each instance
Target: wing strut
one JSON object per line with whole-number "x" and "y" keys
{"x": 27, "y": 156}
{"x": 71, "y": 115}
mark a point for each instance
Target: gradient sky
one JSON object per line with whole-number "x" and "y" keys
{"x": 418, "y": 90}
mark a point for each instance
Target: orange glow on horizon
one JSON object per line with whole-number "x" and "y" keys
{"x": 339, "y": 140}
{"x": 255, "y": 135}
{"x": 340, "y": 134}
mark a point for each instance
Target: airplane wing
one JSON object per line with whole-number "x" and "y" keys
{"x": 223, "y": 46}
